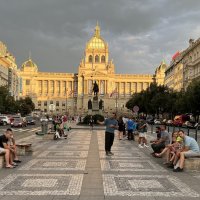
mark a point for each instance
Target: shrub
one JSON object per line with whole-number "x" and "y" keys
{"x": 95, "y": 118}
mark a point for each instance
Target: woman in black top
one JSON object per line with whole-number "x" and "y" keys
{"x": 121, "y": 128}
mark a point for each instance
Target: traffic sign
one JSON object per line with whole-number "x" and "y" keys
{"x": 52, "y": 107}
{"x": 136, "y": 109}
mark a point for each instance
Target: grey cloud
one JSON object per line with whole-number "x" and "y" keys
{"x": 140, "y": 33}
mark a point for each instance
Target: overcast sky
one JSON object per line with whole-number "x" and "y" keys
{"x": 140, "y": 33}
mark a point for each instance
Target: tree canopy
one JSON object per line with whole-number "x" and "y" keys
{"x": 9, "y": 105}
{"x": 160, "y": 99}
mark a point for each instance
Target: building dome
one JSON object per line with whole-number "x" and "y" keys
{"x": 29, "y": 65}
{"x": 96, "y": 42}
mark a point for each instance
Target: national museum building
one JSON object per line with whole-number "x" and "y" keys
{"x": 71, "y": 92}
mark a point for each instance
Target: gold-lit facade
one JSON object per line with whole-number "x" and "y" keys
{"x": 8, "y": 71}
{"x": 184, "y": 67}
{"x": 71, "y": 92}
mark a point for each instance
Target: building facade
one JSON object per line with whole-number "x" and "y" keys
{"x": 184, "y": 67}
{"x": 71, "y": 92}
{"x": 47, "y": 89}
{"x": 8, "y": 71}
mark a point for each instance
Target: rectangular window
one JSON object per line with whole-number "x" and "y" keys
{"x": 63, "y": 104}
{"x": 40, "y": 86}
{"x": 51, "y": 102}
{"x": 128, "y": 88}
{"x": 28, "y": 81}
{"x": 51, "y": 87}
{"x": 122, "y": 88}
{"x": 45, "y": 103}
{"x": 64, "y": 87}
{"x": 57, "y": 103}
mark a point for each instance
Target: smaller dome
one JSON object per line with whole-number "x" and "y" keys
{"x": 29, "y": 65}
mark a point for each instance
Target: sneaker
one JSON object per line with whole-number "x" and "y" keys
{"x": 178, "y": 169}
{"x": 17, "y": 161}
{"x": 112, "y": 154}
{"x": 146, "y": 145}
{"x": 140, "y": 146}
{"x": 14, "y": 164}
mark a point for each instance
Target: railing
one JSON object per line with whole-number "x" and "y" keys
{"x": 193, "y": 132}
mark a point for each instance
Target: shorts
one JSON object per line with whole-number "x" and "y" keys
{"x": 142, "y": 135}
{"x": 2, "y": 150}
{"x": 191, "y": 153}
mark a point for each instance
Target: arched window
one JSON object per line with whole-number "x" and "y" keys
{"x": 96, "y": 59}
{"x": 103, "y": 59}
{"x": 90, "y": 59}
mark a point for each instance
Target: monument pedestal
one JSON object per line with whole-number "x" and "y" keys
{"x": 95, "y": 104}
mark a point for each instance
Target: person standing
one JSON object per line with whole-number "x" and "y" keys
{"x": 130, "y": 126}
{"x": 91, "y": 123}
{"x": 142, "y": 128}
{"x": 121, "y": 128}
{"x": 111, "y": 125}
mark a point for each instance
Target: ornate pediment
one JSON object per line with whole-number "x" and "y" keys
{"x": 96, "y": 73}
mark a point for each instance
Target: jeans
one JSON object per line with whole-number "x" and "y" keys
{"x": 109, "y": 138}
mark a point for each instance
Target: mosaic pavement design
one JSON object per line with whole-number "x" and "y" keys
{"x": 146, "y": 185}
{"x": 79, "y": 142}
{"x": 63, "y": 154}
{"x": 69, "y": 147}
{"x": 118, "y": 154}
{"x": 45, "y": 164}
{"x": 130, "y": 165}
{"x": 40, "y": 184}
{"x": 122, "y": 148}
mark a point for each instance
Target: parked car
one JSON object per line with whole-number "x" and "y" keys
{"x": 5, "y": 119}
{"x": 179, "y": 120}
{"x": 169, "y": 122}
{"x": 43, "y": 119}
{"x": 157, "y": 122}
{"x": 150, "y": 121}
{"x": 19, "y": 122}
{"x": 30, "y": 120}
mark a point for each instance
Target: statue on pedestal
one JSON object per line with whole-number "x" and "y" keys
{"x": 95, "y": 89}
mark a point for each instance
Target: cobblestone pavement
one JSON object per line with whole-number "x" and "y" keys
{"x": 77, "y": 168}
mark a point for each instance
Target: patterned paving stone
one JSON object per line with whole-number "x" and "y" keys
{"x": 69, "y": 147}
{"x": 116, "y": 148}
{"x": 63, "y": 154}
{"x": 41, "y": 184}
{"x": 146, "y": 186}
{"x": 130, "y": 165}
{"x": 53, "y": 164}
{"x": 79, "y": 142}
{"x": 123, "y": 155}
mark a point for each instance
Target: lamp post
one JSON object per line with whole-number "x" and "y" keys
{"x": 66, "y": 101}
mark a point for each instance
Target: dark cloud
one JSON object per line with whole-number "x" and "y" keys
{"x": 140, "y": 33}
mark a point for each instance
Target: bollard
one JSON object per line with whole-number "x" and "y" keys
{"x": 188, "y": 132}
{"x": 44, "y": 127}
{"x": 168, "y": 128}
{"x": 151, "y": 128}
